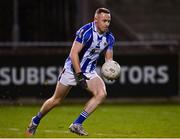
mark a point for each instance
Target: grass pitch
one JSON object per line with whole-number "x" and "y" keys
{"x": 108, "y": 121}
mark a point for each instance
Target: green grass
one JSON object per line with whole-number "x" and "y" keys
{"x": 120, "y": 121}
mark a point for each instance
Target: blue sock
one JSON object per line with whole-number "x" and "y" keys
{"x": 81, "y": 118}
{"x": 37, "y": 118}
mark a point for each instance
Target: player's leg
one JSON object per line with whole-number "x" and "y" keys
{"x": 98, "y": 89}
{"x": 60, "y": 92}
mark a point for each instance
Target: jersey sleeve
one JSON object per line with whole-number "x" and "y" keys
{"x": 83, "y": 34}
{"x": 111, "y": 41}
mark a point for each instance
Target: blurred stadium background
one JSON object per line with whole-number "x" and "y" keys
{"x": 36, "y": 36}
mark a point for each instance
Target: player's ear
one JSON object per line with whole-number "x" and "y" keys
{"x": 95, "y": 18}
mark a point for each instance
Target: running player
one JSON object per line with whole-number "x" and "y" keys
{"x": 79, "y": 69}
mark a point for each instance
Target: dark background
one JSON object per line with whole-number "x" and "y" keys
{"x": 40, "y": 33}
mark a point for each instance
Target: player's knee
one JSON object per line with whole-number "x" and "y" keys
{"x": 55, "y": 101}
{"x": 102, "y": 95}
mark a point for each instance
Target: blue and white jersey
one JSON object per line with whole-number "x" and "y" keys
{"x": 93, "y": 44}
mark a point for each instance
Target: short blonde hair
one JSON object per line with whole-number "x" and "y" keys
{"x": 102, "y": 10}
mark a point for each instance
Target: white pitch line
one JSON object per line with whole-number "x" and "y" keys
{"x": 54, "y": 131}
{"x": 63, "y": 131}
{"x": 49, "y": 131}
{"x": 12, "y": 129}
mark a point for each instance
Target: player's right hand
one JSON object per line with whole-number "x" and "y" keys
{"x": 81, "y": 80}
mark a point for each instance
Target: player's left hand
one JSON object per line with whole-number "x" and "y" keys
{"x": 81, "y": 80}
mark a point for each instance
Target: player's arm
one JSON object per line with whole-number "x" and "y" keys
{"x": 74, "y": 55}
{"x": 109, "y": 55}
{"x": 109, "y": 51}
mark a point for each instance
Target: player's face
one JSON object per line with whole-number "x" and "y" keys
{"x": 102, "y": 21}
